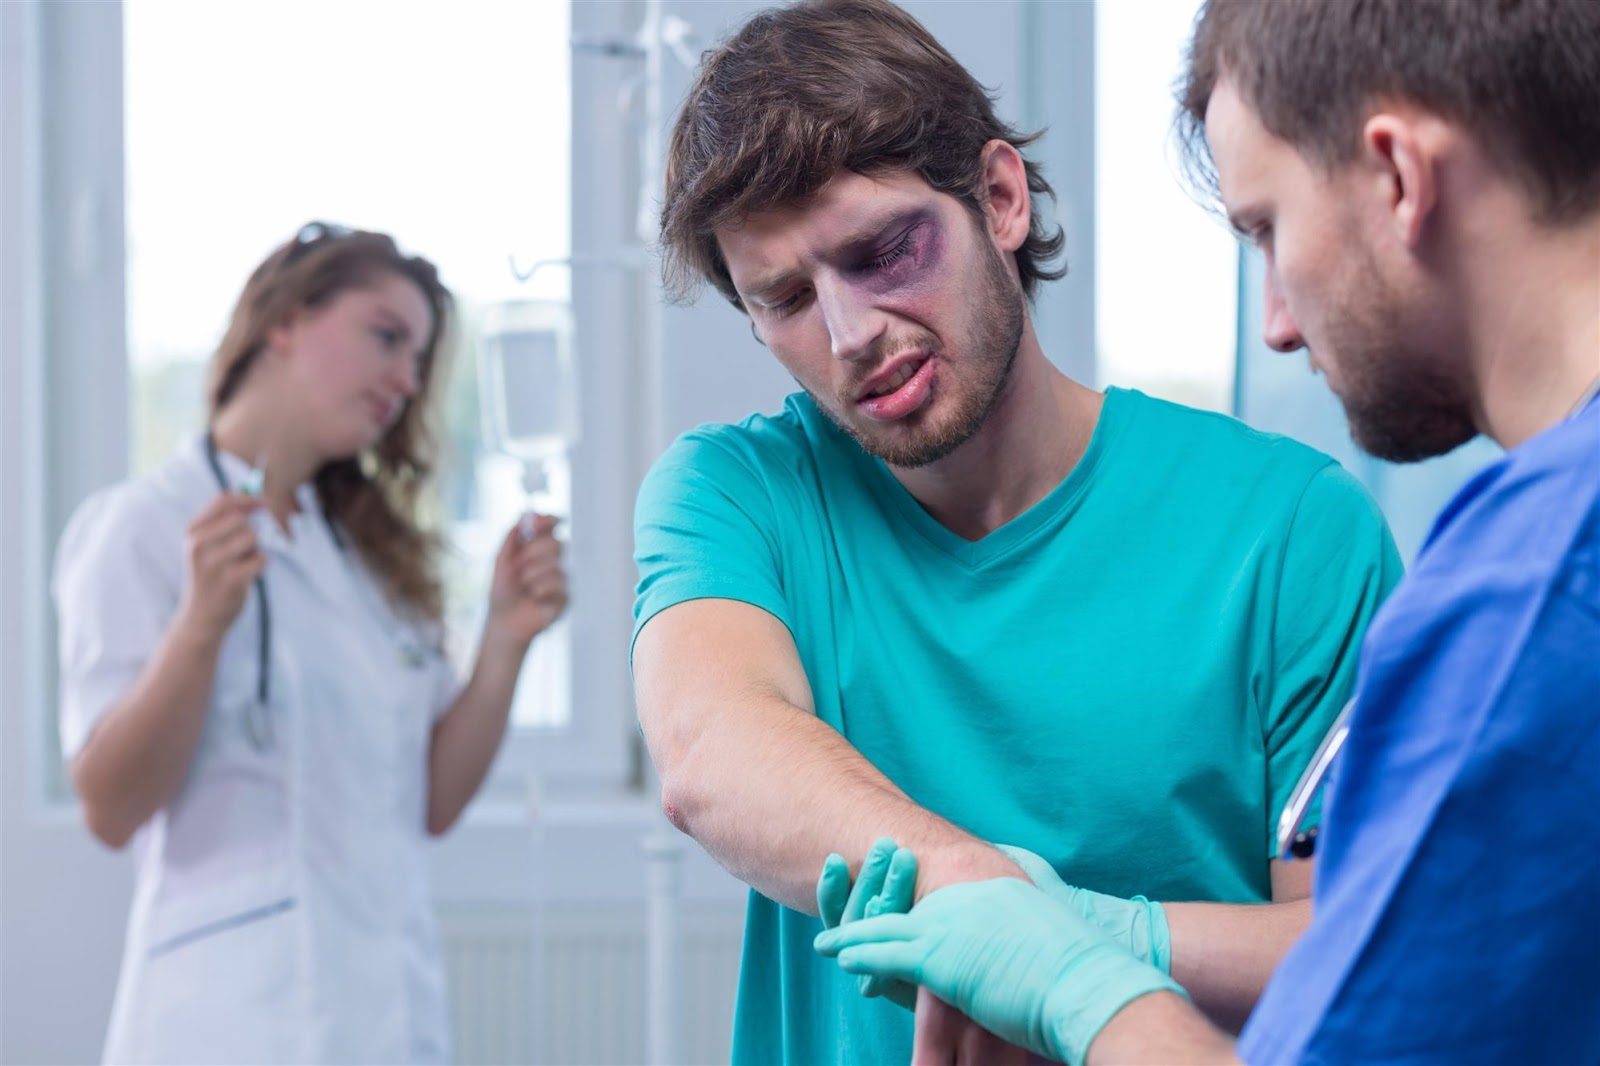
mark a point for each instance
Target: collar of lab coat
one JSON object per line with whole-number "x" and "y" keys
{"x": 236, "y": 470}
{"x": 312, "y": 546}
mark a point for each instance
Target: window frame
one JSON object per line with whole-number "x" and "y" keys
{"x": 79, "y": 439}
{"x": 597, "y": 751}
{"x": 69, "y": 303}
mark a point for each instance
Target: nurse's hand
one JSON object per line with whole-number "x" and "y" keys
{"x": 529, "y": 589}
{"x": 1138, "y": 924}
{"x": 223, "y": 558}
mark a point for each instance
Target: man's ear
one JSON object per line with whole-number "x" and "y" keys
{"x": 1405, "y": 170}
{"x": 1007, "y": 206}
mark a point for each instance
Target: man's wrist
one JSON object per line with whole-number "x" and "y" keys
{"x": 1160, "y": 1026}
{"x": 962, "y": 861}
{"x": 1097, "y": 990}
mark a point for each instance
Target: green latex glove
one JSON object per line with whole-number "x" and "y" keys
{"x": 1010, "y": 957}
{"x": 886, "y": 886}
{"x": 1137, "y": 924}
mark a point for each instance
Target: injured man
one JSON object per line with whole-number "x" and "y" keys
{"x": 947, "y": 594}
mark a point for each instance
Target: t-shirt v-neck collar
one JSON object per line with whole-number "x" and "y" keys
{"x": 1056, "y": 504}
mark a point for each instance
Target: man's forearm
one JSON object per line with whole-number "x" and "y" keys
{"x": 1160, "y": 1027}
{"x": 1223, "y": 953}
{"x": 771, "y": 790}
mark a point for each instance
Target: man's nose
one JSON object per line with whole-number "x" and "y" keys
{"x": 1278, "y": 327}
{"x": 854, "y": 324}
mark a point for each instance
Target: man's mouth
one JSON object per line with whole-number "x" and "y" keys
{"x": 898, "y": 390}
{"x": 898, "y": 378}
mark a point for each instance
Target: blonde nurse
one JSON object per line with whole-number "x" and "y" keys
{"x": 253, "y": 691}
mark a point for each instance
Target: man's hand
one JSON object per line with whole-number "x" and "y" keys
{"x": 1008, "y": 956}
{"x": 945, "y": 1036}
{"x": 885, "y": 886}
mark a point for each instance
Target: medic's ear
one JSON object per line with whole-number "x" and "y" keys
{"x": 1404, "y": 168}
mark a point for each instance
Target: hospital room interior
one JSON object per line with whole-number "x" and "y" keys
{"x": 154, "y": 152}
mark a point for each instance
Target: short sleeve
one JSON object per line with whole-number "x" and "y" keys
{"x": 705, "y": 527}
{"x": 116, "y": 585}
{"x": 1339, "y": 564}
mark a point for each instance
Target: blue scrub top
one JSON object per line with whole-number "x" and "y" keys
{"x": 1458, "y": 897}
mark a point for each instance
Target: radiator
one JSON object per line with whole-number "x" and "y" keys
{"x": 576, "y": 994}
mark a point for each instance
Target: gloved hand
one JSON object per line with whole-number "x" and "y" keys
{"x": 886, "y": 885}
{"x": 1138, "y": 924}
{"x": 1010, "y": 957}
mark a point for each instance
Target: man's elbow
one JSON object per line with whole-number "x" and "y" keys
{"x": 681, "y": 800}
{"x": 688, "y": 784}
{"x": 672, "y": 753}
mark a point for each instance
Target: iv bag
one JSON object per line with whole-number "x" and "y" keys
{"x": 528, "y": 378}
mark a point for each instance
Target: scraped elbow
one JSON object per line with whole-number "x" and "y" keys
{"x": 681, "y": 800}
{"x": 675, "y": 805}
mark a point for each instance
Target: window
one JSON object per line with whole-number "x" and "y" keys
{"x": 1178, "y": 302}
{"x": 246, "y": 119}
{"x": 1165, "y": 270}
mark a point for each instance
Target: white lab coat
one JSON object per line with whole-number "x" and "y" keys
{"x": 281, "y": 910}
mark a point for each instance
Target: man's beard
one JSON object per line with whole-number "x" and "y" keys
{"x": 1405, "y": 416}
{"x": 988, "y": 351}
{"x": 1401, "y": 404}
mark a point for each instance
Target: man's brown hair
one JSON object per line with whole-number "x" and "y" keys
{"x": 803, "y": 92}
{"x": 1523, "y": 76}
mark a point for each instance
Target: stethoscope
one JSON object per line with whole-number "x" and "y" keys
{"x": 1295, "y": 841}
{"x": 258, "y": 717}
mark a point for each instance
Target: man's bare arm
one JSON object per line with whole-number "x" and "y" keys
{"x": 749, "y": 771}
{"x": 1161, "y": 1028}
{"x": 1223, "y": 953}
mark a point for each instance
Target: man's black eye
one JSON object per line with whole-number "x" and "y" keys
{"x": 893, "y": 255}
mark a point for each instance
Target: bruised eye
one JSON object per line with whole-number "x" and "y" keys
{"x": 893, "y": 255}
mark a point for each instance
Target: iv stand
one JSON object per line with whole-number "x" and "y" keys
{"x": 658, "y": 34}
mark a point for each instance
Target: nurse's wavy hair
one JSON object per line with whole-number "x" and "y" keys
{"x": 375, "y": 498}
{"x": 805, "y": 91}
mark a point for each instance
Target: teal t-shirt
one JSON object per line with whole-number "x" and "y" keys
{"x": 1128, "y": 678}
